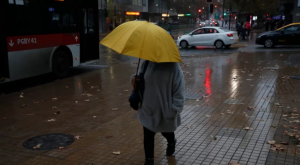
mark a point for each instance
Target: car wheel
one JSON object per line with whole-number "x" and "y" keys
{"x": 61, "y": 64}
{"x": 227, "y": 46}
{"x": 269, "y": 43}
{"x": 184, "y": 44}
{"x": 219, "y": 44}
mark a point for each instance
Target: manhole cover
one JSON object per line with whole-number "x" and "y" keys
{"x": 49, "y": 141}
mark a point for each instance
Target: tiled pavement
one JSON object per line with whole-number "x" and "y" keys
{"x": 225, "y": 93}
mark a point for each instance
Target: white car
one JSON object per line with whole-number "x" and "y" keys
{"x": 202, "y": 24}
{"x": 208, "y": 36}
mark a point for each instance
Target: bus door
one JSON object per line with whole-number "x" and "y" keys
{"x": 89, "y": 35}
{"x": 4, "y": 72}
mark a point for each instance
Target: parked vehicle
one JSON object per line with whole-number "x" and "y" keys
{"x": 202, "y": 24}
{"x": 287, "y": 35}
{"x": 212, "y": 23}
{"x": 208, "y": 36}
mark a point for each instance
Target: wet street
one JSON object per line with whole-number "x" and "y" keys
{"x": 238, "y": 101}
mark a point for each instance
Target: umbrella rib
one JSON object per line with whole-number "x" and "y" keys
{"x": 128, "y": 37}
{"x": 143, "y": 39}
{"x": 166, "y": 47}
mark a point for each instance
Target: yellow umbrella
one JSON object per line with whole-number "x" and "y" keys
{"x": 143, "y": 40}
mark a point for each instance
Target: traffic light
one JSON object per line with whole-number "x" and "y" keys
{"x": 267, "y": 15}
{"x": 225, "y": 13}
{"x": 199, "y": 11}
{"x": 211, "y": 8}
{"x": 216, "y": 6}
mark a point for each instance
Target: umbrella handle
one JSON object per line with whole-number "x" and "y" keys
{"x": 136, "y": 76}
{"x": 137, "y": 70}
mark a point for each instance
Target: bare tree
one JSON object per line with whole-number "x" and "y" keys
{"x": 180, "y": 6}
{"x": 169, "y": 5}
{"x": 262, "y": 7}
{"x": 257, "y": 7}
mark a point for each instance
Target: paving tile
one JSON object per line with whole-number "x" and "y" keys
{"x": 226, "y": 80}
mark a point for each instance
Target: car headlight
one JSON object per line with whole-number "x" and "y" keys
{"x": 179, "y": 37}
{"x": 260, "y": 36}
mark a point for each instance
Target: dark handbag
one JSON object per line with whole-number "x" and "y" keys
{"x": 136, "y": 97}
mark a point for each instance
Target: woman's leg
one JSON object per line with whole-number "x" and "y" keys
{"x": 149, "y": 143}
{"x": 170, "y": 136}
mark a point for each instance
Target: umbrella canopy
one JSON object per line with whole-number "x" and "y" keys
{"x": 143, "y": 40}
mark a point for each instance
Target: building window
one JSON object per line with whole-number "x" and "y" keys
{"x": 134, "y": 2}
{"x": 137, "y": 2}
{"x": 16, "y": 2}
{"x": 144, "y": 3}
{"x": 19, "y": 2}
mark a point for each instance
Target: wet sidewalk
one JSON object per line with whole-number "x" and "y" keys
{"x": 235, "y": 104}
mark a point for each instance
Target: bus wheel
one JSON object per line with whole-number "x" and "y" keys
{"x": 61, "y": 64}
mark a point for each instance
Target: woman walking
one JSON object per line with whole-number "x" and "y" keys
{"x": 163, "y": 101}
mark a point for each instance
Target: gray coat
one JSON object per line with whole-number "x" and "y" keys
{"x": 163, "y": 99}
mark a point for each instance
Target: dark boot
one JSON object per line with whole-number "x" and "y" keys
{"x": 149, "y": 161}
{"x": 171, "y": 148}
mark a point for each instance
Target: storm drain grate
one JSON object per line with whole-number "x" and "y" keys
{"x": 49, "y": 141}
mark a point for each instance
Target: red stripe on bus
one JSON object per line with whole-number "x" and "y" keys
{"x": 18, "y": 43}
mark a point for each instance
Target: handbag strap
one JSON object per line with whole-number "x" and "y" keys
{"x": 145, "y": 67}
{"x": 142, "y": 85}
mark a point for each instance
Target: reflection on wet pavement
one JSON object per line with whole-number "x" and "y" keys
{"x": 234, "y": 104}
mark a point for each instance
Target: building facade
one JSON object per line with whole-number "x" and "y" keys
{"x": 114, "y": 12}
{"x": 296, "y": 12}
{"x": 159, "y": 12}
{"x": 287, "y": 9}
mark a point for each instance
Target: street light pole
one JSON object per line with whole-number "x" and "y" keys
{"x": 223, "y": 13}
{"x": 230, "y": 11}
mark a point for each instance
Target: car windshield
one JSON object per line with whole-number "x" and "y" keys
{"x": 189, "y": 32}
